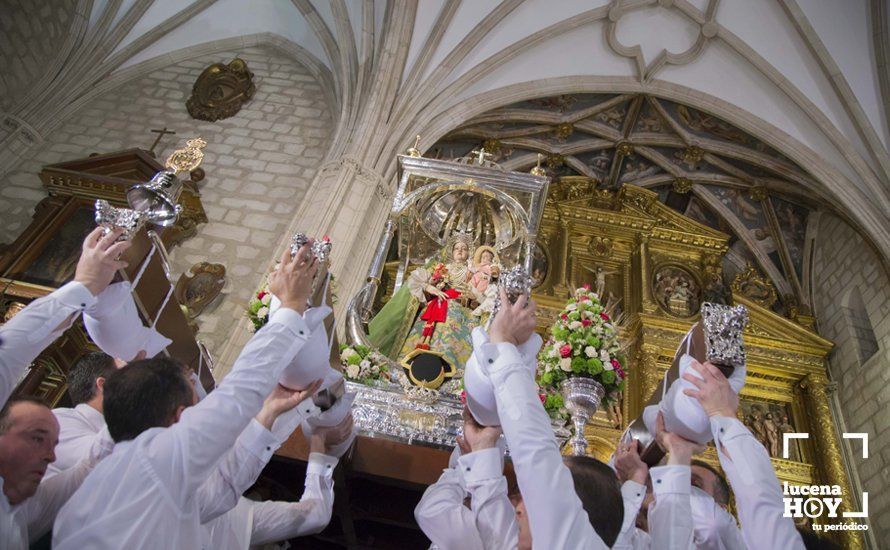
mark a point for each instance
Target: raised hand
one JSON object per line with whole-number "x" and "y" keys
{"x": 292, "y": 281}
{"x": 99, "y": 259}
{"x": 514, "y": 323}
{"x": 282, "y": 400}
{"x": 326, "y": 438}
{"x": 713, "y": 390}
{"x": 680, "y": 450}
{"x": 628, "y": 463}
{"x": 476, "y": 436}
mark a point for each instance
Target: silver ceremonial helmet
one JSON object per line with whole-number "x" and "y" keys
{"x": 160, "y": 194}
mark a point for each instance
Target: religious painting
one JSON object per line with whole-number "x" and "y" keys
{"x": 677, "y": 291}
{"x": 55, "y": 264}
{"x": 636, "y": 167}
{"x": 793, "y": 226}
{"x": 540, "y": 266}
{"x": 768, "y": 422}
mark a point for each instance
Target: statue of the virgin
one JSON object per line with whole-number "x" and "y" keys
{"x": 431, "y": 310}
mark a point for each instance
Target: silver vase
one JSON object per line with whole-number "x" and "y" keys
{"x": 582, "y": 397}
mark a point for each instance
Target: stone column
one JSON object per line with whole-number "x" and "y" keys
{"x": 828, "y": 459}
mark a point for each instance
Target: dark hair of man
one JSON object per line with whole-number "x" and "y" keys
{"x": 144, "y": 394}
{"x": 82, "y": 377}
{"x": 720, "y": 487}
{"x": 7, "y": 408}
{"x": 600, "y": 494}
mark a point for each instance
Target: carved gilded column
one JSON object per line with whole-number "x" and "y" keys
{"x": 645, "y": 276}
{"x": 646, "y": 366}
{"x": 829, "y": 459}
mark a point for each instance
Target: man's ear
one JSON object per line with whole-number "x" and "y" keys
{"x": 178, "y": 413}
{"x": 100, "y": 385}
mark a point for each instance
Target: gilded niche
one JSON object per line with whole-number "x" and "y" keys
{"x": 221, "y": 90}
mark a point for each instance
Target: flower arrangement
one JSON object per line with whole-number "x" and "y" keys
{"x": 363, "y": 364}
{"x": 258, "y": 307}
{"x": 583, "y": 342}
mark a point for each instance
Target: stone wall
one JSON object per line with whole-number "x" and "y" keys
{"x": 852, "y": 300}
{"x": 259, "y": 164}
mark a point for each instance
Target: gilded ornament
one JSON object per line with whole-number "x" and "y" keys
{"x": 555, "y": 161}
{"x": 693, "y": 154}
{"x": 759, "y": 289}
{"x": 563, "y": 131}
{"x": 624, "y": 149}
{"x": 413, "y": 151}
{"x": 221, "y": 91}
{"x": 758, "y": 193}
{"x": 538, "y": 170}
{"x": 199, "y": 286}
{"x": 600, "y": 246}
{"x": 682, "y": 185}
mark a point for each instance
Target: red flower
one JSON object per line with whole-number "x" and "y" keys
{"x": 463, "y": 397}
{"x": 586, "y": 286}
{"x": 565, "y": 351}
{"x": 585, "y": 298}
{"x": 616, "y": 364}
{"x": 564, "y": 317}
{"x": 585, "y": 322}
{"x": 605, "y": 317}
{"x": 543, "y": 398}
{"x": 260, "y": 295}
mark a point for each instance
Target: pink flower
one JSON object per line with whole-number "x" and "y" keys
{"x": 616, "y": 364}
{"x": 463, "y": 397}
{"x": 565, "y": 351}
{"x": 586, "y": 286}
{"x": 585, "y": 322}
{"x": 543, "y": 398}
{"x": 260, "y": 294}
{"x": 604, "y": 317}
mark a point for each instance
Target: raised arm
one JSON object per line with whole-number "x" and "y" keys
{"x": 633, "y": 473}
{"x": 758, "y": 494}
{"x": 556, "y": 517}
{"x": 442, "y": 515}
{"x": 33, "y": 329}
{"x": 186, "y": 452}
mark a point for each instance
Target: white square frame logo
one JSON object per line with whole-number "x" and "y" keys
{"x": 786, "y": 437}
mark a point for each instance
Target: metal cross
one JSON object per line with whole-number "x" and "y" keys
{"x": 161, "y": 133}
{"x": 481, "y": 155}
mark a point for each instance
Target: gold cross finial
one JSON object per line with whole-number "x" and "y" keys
{"x": 414, "y": 151}
{"x": 538, "y": 170}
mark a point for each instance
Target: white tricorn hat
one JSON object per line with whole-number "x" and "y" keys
{"x": 477, "y": 384}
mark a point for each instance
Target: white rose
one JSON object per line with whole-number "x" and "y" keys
{"x": 346, "y": 354}
{"x": 267, "y": 299}
{"x": 571, "y": 307}
{"x": 262, "y": 312}
{"x": 352, "y": 371}
{"x": 365, "y": 364}
{"x": 375, "y": 369}
{"x": 575, "y": 325}
{"x": 607, "y": 365}
{"x": 590, "y": 351}
{"x": 565, "y": 364}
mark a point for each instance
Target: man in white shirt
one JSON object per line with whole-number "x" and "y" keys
{"x": 80, "y": 425}
{"x": 146, "y": 494}
{"x": 475, "y": 470}
{"x": 28, "y": 430}
{"x": 571, "y": 503}
{"x": 757, "y": 491}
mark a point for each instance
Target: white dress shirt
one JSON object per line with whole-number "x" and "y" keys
{"x": 34, "y": 328}
{"x": 145, "y": 495}
{"x": 22, "y": 339}
{"x": 631, "y": 537}
{"x": 670, "y": 515}
{"x": 78, "y": 429}
{"x": 253, "y": 523}
{"x": 556, "y": 516}
{"x": 489, "y": 523}
{"x": 758, "y": 494}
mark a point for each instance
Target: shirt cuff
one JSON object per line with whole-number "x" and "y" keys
{"x": 259, "y": 441}
{"x": 671, "y": 479}
{"x": 495, "y": 358}
{"x": 727, "y": 428}
{"x": 75, "y": 296}
{"x": 321, "y": 465}
{"x": 481, "y": 466}
{"x": 291, "y": 319}
{"x": 633, "y": 491}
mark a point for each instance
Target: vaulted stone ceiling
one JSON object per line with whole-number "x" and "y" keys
{"x": 699, "y": 165}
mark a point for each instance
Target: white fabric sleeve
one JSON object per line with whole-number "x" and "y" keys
{"x": 417, "y": 282}
{"x": 495, "y": 517}
{"x": 444, "y": 519}
{"x": 555, "y": 512}
{"x": 670, "y": 516}
{"x": 34, "y": 328}
{"x": 758, "y": 494}
{"x": 184, "y": 454}
{"x": 633, "y": 494}
{"x": 278, "y": 521}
